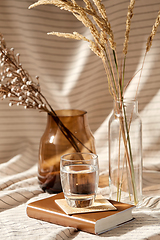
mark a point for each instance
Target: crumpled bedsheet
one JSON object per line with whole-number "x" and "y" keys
{"x": 17, "y": 189}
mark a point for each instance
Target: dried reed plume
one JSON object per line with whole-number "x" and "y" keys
{"x": 128, "y": 23}
{"x": 153, "y": 33}
{"x": 93, "y": 16}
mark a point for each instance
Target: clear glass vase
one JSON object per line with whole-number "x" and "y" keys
{"x": 125, "y": 153}
{"x": 57, "y": 141}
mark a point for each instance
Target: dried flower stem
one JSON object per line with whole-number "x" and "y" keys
{"x": 16, "y": 84}
{"x": 153, "y": 33}
{"x": 125, "y": 46}
{"x": 128, "y": 23}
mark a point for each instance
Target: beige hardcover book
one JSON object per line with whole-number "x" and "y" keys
{"x": 93, "y": 222}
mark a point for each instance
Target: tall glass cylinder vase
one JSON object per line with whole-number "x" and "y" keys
{"x": 57, "y": 140}
{"x": 125, "y": 153}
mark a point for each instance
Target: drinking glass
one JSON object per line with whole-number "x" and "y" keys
{"x": 79, "y": 174}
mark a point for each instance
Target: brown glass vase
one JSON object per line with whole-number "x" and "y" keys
{"x": 68, "y": 132}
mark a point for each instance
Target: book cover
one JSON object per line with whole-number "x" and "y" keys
{"x": 93, "y": 222}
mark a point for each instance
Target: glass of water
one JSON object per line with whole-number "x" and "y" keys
{"x": 79, "y": 178}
